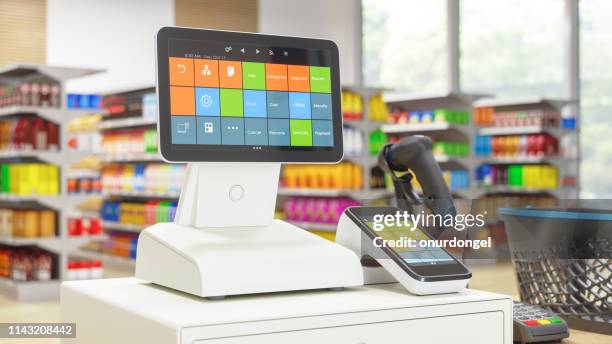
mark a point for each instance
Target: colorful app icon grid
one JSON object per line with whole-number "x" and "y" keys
{"x": 250, "y": 103}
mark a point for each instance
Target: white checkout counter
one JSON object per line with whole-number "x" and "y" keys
{"x": 128, "y": 310}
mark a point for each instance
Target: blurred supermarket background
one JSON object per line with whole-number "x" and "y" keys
{"x": 515, "y": 94}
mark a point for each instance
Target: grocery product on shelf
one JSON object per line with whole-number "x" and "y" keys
{"x": 527, "y": 176}
{"x": 83, "y": 101}
{"x": 353, "y": 142}
{"x": 23, "y": 264}
{"x": 84, "y": 225}
{"x": 516, "y": 146}
{"x": 138, "y": 213}
{"x": 84, "y": 134}
{"x": 84, "y": 184}
{"x": 345, "y": 175}
{"x": 516, "y": 118}
{"x": 398, "y": 116}
{"x": 132, "y": 103}
{"x": 352, "y": 105}
{"x": 130, "y": 141}
{"x": 41, "y": 91}
{"x": 377, "y": 109}
{"x": 121, "y": 244}
{"x": 80, "y": 269}
{"x": 448, "y": 148}
{"x": 316, "y": 209}
{"x": 378, "y": 139}
{"x": 146, "y": 178}
{"x": 28, "y": 223}
{"x": 29, "y": 179}
{"x": 455, "y": 179}
{"x": 28, "y": 133}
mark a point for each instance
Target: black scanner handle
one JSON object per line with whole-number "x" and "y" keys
{"x": 415, "y": 153}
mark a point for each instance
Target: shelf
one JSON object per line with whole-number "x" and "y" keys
{"x": 21, "y": 241}
{"x": 50, "y": 113}
{"x": 131, "y": 157}
{"x": 526, "y": 101}
{"x": 533, "y": 129}
{"x": 363, "y": 160}
{"x": 355, "y": 194}
{"x": 519, "y": 160}
{"x": 107, "y": 259}
{"x": 31, "y": 290}
{"x": 126, "y": 227}
{"x": 21, "y": 70}
{"x": 416, "y": 127}
{"x": 325, "y": 227}
{"x": 143, "y": 194}
{"x": 119, "y": 123}
{"x": 412, "y": 101}
{"x": 516, "y": 190}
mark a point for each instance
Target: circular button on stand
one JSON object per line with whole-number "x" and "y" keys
{"x": 236, "y": 193}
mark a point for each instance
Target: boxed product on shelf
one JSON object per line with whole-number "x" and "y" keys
{"x": 42, "y": 92}
{"x": 121, "y": 245}
{"x": 377, "y": 109}
{"x": 130, "y": 141}
{"x": 28, "y": 133}
{"x": 516, "y": 118}
{"x": 138, "y": 213}
{"x": 83, "y": 101}
{"x": 528, "y": 176}
{"x": 440, "y": 115}
{"x": 24, "y": 264}
{"x": 84, "y": 184}
{"x": 127, "y": 103}
{"x": 345, "y": 175}
{"x": 517, "y": 146}
{"x": 352, "y": 106}
{"x": 316, "y": 209}
{"x": 83, "y": 269}
{"x": 84, "y": 134}
{"x": 29, "y": 179}
{"x": 28, "y": 223}
{"x": 153, "y": 178}
{"x": 448, "y": 148}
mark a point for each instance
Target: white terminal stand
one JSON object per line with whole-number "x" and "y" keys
{"x": 224, "y": 239}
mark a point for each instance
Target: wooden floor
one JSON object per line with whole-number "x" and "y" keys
{"x": 495, "y": 278}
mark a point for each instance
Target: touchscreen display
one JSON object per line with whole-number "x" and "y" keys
{"x": 245, "y": 97}
{"x": 416, "y": 255}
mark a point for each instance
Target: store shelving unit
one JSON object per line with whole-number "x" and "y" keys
{"x": 63, "y": 244}
{"x": 567, "y": 165}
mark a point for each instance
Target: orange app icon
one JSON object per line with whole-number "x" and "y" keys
{"x": 181, "y": 71}
{"x": 298, "y": 78}
{"x": 230, "y": 74}
{"x": 182, "y": 101}
{"x": 206, "y": 73}
{"x": 276, "y": 77}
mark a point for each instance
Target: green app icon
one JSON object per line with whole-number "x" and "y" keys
{"x": 320, "y": 79}
{"x": 301, "y": 132}
{"x": 254, "y": 75}
{"x": 231, "y": 102}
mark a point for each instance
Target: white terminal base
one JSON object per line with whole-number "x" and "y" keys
{"x": 217, "y": 262}
{"x": 129, "y": 311}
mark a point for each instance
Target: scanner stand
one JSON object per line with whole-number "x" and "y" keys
{"x": 224, "y": 240}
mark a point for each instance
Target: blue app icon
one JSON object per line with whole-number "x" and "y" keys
{"x": 207, "y": 101}
{"x": 322, "y": 133}
{"x": 278, "y": 104}
{"x": 209, "y": 130}
{"x": 256, "y": 131}
{"x": 278, "y": 132}
{"x": 299, "y": 105}
{"x": 232, "y": 130}
{"x": 254, "y": 103}
{"x": 321, "y": 106}
{"x": 183, "y": 129}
